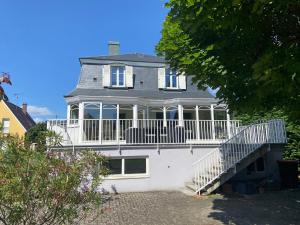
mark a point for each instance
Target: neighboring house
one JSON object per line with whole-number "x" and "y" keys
{"x": 156, "y": 128}
{"x": 15, "y": 120}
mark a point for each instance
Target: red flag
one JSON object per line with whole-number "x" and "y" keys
{"x": 5, "y": 79}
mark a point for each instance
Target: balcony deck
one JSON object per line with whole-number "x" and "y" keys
{"x": 117, "y": 132}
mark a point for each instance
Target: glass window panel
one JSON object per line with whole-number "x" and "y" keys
{"x": 167, "y": 80}
{"x": 115, "y": 166}
{"x": 171, "y": 79}
{"x": 121, "y": 70}
{"x": 109, "y": 112}
{"x": 174, "y": 81}
{"x": 113, "y": 75}
{"x": 126, "y": 112}
{"x": 159, "y": 115}
{"x": 172, "y": 114}
{"x": 189, "y": 113}
{"x": 121, "y": 79}
{"x": 220, "y": 114}
{"x": 74, "y": 113}
{"x": 92, "y": 111}
{"x": 204, "y": 114}
{"x": 117, "y": 75}
{"x": 152, "y": 112}
{"x": 135, "y": 166}
{"x": 187, "y": 116}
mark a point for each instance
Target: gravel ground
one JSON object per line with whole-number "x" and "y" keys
{"x": 172, "y": 208}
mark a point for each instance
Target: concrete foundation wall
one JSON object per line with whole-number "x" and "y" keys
{"x": 169, "y": 168}
{"x": 271, "y": 169}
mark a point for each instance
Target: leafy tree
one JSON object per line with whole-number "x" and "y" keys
{"x": 37, "y": 135}
{"x": 54, "y": 188}
{"x": 249, "y": 49}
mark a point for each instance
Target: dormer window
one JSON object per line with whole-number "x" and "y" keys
{"x": 171, "y": 79}
{"x": 118, "y": 76}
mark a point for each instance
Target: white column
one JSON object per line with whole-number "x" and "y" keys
{"x": 197, "y": 123}
{"x": 118, "y": 124}
{"x": 100, "y": 124}
{"x": 145, "y": 116}
{"x": 228, "y": 124}
{"x": 180, "y": 115}
{"x": 212, "y": 117}
{"x": 80, "y": 121}
{"x": 68, "y": 114}
{"x": 135, "y": 116}
{"x": 147, "y": 113}
{"x": 165, "y": 116}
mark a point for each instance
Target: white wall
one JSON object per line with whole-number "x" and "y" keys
{"x": 169, "y": 168}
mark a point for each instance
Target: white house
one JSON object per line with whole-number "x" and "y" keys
{"x": 157, "y": 129}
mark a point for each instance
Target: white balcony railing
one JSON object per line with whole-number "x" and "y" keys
{"x": 142, "y": 131}
{"x": 247, "y": 140}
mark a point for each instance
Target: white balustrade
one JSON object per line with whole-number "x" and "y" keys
{"x": 140, "y": 131}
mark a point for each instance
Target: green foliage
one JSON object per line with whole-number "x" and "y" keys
{"x": 54, "y": 188}
{"x": 41, "y": 137}
{"x": 37, "y": 135}
{"x": 247, "y": 49}
{"x": 292, "y": 149}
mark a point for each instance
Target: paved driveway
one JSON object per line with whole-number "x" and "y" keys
{"x": 168, "y": 208}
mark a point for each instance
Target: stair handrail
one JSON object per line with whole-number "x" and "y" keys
{"x": 251, "y": 147}
{"x": 211, "y": 152}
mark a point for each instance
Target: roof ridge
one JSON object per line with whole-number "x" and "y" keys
{"x": 126, "y": 54}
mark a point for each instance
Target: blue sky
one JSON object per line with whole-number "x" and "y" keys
{"x": 41, "y": 41}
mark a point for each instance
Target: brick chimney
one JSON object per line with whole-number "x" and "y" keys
{"x": 24, "y": 108}
{"x": 113, "y": 48}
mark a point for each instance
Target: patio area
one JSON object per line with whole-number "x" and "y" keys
{"x": 172, "y": 208}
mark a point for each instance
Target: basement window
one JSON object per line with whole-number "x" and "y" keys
{"x": 127, "y": 166}
{"x": 115, "y": 166}
{"x": 133, "y": 166}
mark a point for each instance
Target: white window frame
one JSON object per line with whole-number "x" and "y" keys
{"x": 171, "y": 80}
{"x": 129, "y": 176}
{"x": 118, "y": 76}
{"x": 73, "y": 122}
{"x": 5, "y": 129}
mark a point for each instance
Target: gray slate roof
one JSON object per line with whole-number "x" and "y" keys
{"x": 24, "y": 118}
{"x": 136, "y": 57}
{"x": 159, "y": 94}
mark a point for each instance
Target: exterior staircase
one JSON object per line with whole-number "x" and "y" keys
{"x": 221, "y": 164}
